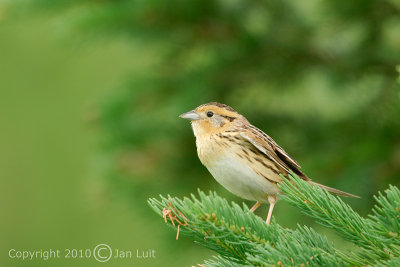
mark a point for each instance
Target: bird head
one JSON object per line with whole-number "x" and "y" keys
{"x": 212, "y": 118}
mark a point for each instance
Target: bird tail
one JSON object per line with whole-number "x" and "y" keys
{"x": 335, "y": 191}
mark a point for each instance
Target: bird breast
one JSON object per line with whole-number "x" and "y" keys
{"x": 232, "y": 171}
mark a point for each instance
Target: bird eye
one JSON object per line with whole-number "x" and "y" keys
{"x": 210, "y": 114}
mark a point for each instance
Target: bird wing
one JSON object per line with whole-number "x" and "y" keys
{"x": 272, "y": 150}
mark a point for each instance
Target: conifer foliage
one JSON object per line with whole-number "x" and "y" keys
{"x": 243, "y": 239}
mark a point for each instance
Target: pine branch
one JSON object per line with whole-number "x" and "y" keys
{"x": 219, "y": 261}
{"x": 243, "y": 239}
{"x": 377, "y": 236}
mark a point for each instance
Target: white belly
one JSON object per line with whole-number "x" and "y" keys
{"x": 236, "y": 176}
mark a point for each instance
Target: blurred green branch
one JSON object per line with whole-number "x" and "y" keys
{"x": 242, "y": 238}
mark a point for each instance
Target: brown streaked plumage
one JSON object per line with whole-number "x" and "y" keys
{"x": 241, "y": 157}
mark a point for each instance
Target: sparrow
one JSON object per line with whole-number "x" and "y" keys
{"x": 241, "y": 157}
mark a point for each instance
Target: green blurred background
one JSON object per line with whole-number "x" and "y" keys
{"x": 90, "y": 93}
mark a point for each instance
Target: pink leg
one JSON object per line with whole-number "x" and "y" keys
{"x": 272, "y": 201}
{"x": 255, "y": 206}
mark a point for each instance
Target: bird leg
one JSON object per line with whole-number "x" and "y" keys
{"x": 272, "y": 201}
{"x": 255, "y": 206}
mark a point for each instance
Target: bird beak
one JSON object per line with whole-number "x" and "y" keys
{"x": 191, "y": 115}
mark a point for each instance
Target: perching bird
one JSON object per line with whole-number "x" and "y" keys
{"x": 241, "y": 157}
